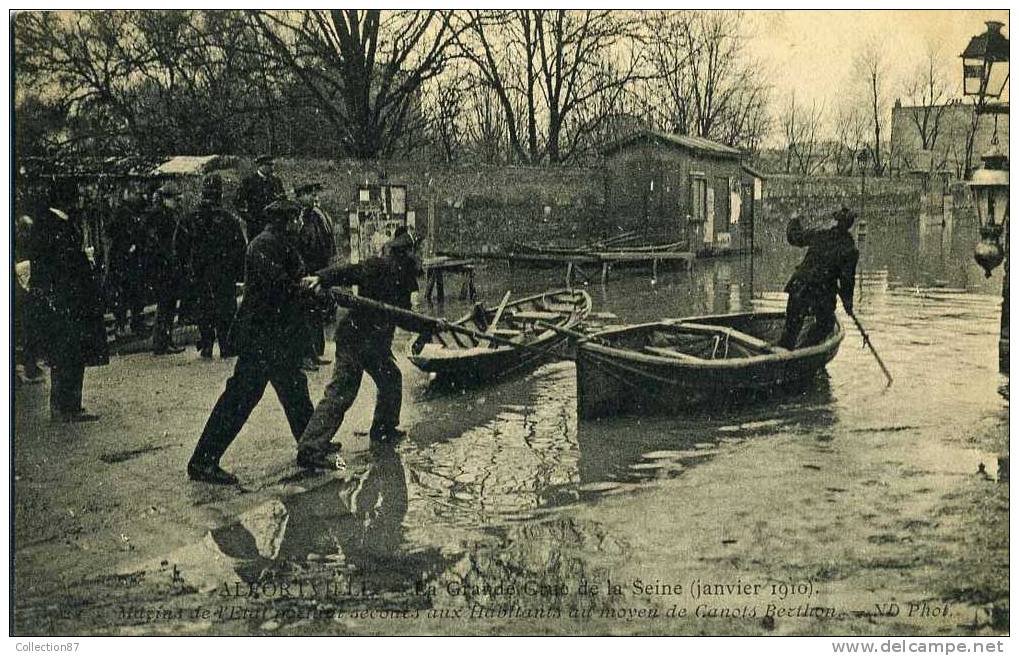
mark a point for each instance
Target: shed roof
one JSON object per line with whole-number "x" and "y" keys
{"x": 754, "y": 172}
{"x": 186, "y": 165}
{"x": 684, "y": 141}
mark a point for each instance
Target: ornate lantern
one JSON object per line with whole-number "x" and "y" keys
{"x": 989, "y": 188}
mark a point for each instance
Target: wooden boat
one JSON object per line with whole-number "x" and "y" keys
{"x": 527, "y": 322}
{"x": 697, "y": 362}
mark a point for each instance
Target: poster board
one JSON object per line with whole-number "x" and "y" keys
{"x": 381, "y": 209}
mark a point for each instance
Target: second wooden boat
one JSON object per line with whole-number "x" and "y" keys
{"x": 527, "y": 322}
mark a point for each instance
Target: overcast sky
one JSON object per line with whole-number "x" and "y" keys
{"x": 812, "y": 51}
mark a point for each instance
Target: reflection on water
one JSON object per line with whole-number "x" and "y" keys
{"x": 509, "y": 466}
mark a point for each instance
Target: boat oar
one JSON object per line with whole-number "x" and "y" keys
{"x": 416, "y": 322}
{"x": 498, "y": 313}
{"x": 873, "y": 351}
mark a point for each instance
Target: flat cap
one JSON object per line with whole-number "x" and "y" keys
{"x": 310, "y": 188}
{"x": 264, "y": 159}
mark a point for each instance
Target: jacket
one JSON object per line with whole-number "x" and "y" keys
{"x": 270, "y": 320}
{"x": 829, "y": 266}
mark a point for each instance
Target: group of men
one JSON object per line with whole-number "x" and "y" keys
{"x": 192, "y": 262}
{"x": 285, "y": 251}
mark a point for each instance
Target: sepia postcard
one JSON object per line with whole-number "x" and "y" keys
{"x": 511, "y": 322}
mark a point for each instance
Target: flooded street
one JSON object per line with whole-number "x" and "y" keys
{"x": 842, "y": 508}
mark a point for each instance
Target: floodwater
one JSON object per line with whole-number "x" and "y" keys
{"x": 504, "y": 513}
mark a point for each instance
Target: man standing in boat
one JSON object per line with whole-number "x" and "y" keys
{"x": 364, "y": 340}
{"x": 828, "y": 269}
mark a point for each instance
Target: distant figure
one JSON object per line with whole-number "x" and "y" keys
{"x": 163, "y": 265}
{"x": 26, "y": 328}
{"x": 72, "y": 330}
{"x": 127, "y": 263}
{"x": 364, "y": 340}
{"x": 265, "y": 336}
{"x": 258, "y": 190}
{"x": 210, "y": 242}
{"x": 828, "y": 268}
{"x": 318, "y": 249}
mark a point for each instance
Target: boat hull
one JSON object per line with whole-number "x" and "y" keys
{"x": 614, "y": 380}
{"x": 488, "y": 361}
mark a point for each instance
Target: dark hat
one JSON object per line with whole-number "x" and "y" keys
{"x": 310, "y": 188}
{"x": 212, "y": 186}
{"x": 401, "y": 242}
{"x": 169, "y": 190}
{"x": 263, "y": 159}
{"x": 845, "y": 217}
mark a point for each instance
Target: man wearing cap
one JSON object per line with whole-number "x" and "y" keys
{"x": 828, "y": 270}
{"x": 211, "y": 244}
{"x": 364, "y": 341}
{"x": 258, "y": 190}
{"x": 271, "y": 313}
{"x": 164, "y": 267}
{"x": 318, "y": 248}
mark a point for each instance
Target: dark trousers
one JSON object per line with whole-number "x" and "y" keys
{"x": 26, "y": 330}
{"x": 167, "y": 301}
{"x": 216, "y": 306}
{"x": 66, "y": 381}
{"x": 805, "y": 301}
{"x": 243, "y": 391}
{"x": 351, "y": 364}
{"x": 130, "y": 291}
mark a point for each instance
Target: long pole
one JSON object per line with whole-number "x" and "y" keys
{"x": 873, "y": 351}
{"x": 416, "y": 322}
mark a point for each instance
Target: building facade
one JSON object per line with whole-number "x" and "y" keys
{"x": 681, "y": 188}
{"x": 948, "y": 129}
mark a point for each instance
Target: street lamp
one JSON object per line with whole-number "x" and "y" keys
{"x": 985, "y": 64}
{"x": 985, "y": 75}
{"x": 989, "y": 188}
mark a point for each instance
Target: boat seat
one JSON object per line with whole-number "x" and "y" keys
{"x": 534, "y": 315}
{"x": 669, "y": 353}
{"x": 738, "y": 336}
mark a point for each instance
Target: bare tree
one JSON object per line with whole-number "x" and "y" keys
{"x": 870, "y": 69}
{"x": 801, "y": 129}
{"x": 544, "y": 66}
{"x": 363, "y": 69}
{"x": 849, "y": 131}
{"x": 927, "y": 93}
{"x": 704, "y": 83}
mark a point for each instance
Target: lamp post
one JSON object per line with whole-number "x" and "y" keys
{"x": 985, "y": 76}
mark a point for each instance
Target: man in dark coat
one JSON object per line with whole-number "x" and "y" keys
{"x": 164, "y": 267}
{"x": 318, "y": 249}
{"x": 262, "y": 336}
{"x": 127, "y": 264}
{"x": 364, "y": 341}
{"x": 828, "y": 269}
{"x": 211, "y": 244}
{"x": 64, "y": 278}
{"x": 257, "y": 191}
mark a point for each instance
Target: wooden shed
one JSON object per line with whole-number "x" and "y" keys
{"x": 679, "y": 186}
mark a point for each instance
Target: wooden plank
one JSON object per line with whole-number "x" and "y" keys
{"x": 669, "y": 353}
{"x": 498, "y": 312}
{"x": 736, "y": 335}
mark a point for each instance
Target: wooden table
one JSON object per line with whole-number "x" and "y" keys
{"x": 436, "y": 269}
